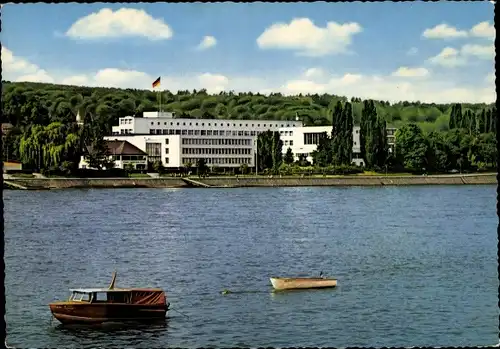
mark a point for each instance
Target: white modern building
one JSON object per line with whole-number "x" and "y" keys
{"x": 222, "y": 143}
{"x": 177, "y": 142}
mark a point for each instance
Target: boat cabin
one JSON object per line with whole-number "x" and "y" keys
{"x": 120, "y": 296}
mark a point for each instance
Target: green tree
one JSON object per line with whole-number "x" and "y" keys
{"x": 337, "y": 137}
{"x": 277, "y": 151}
{"x": 201, "y": 167}
{"x": 288, "y": 159}
{"x": 244, "y": 169}
{"x": 411, "y": 148}
{"x": 437, "y": 153}
{"x": 373, "y": 140}
{"x": 269, "y": 152}
{"x": 323, "y": 155}
{"x": 348, "y": 137}
{"x": 158, "y": 167}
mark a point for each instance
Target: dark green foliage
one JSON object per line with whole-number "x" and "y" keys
{"x": 288, "y": 159}
{"x": 348, "y": 138}
{"x": 411, "y": 147}
{"x": 201, "y": 167}
{"x": 337, "y": 134}
{"x": 269, "y": 151}
{"x": 323, "y": 155}
{"x": 374, "y": 149}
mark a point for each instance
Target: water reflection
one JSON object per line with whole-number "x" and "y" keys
{"x": 290, "y": 293}
{"x": 132, "y": 333}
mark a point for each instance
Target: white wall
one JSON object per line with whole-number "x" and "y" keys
{"x": 173, "y": 146}
{"x": 156, "y": 114}
{"x": 118, "y": 163}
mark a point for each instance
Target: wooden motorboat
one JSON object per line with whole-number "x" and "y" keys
{"x": 280, "y": 283}
{"x": 100, "y": 305}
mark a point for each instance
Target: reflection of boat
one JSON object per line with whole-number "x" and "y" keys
{"x": 99, "y": 305}
{"x": 300, "y": 283}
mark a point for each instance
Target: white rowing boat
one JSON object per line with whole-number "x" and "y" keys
{"x": 301, "y": 283}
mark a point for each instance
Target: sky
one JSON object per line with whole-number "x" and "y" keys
{"x": 432, "y": 52}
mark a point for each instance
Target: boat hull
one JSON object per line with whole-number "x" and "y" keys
{"x": 301, "y": 283}
{"x": 95, "y": 313}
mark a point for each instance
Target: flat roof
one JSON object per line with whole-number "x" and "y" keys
{"x": 230, "y": 121}
{"x": 92, "y": 290}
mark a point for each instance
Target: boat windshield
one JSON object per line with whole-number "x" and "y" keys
{"x": 80, "y": 297}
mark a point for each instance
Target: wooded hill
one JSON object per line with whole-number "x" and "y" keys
{"x": 27, "y": 103}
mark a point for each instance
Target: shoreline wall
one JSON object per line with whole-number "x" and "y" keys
{"x": 261, "y": 181}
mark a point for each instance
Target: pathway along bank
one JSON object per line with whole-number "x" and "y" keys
{"x": 261, "y": 181}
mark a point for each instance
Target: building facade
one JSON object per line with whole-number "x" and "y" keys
{"x": 304, "y": 140}
{"x": 123, "y": 154}
{"x": 178, "y": 142}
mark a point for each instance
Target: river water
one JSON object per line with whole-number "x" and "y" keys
{"x": 416, "y": 266}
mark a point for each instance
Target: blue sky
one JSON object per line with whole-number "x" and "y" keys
{"x": 370, "y": 50}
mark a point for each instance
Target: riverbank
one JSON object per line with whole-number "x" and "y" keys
{"x": 249, "y": 181}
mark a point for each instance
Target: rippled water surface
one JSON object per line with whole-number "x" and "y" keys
{"x": 416, "y": 266}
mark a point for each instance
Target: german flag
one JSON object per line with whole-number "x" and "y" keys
{"x": 156, "y": 83}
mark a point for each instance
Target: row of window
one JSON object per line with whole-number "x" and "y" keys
{"x": 129, "y": 157}
{"x": 209, "y": 141}
{"x": 217, "y": 151}
{"x": 125, "y": 121}
{"x": 203, "y": 132}
{"x": 289, "y": 142}
{"x": 220, "y": 124}
{"x": 125, "y": 132}
{"x": 313, "y": 138}
{"x": 219, "y": 161}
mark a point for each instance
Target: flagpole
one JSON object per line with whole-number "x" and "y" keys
{"x": 257, "y": 155}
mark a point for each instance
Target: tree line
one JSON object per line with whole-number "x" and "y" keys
{"x": 45, "y": 136}
{"x": 469, "y": 144}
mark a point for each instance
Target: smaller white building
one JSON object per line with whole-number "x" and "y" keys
{"x": 123, "y": 154}
{"x": 304, "y": 140}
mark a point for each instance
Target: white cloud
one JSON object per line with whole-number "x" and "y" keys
{"x": 480, "y": 51}
{"x": 444, "y": 31}
{"x": 407, "y": 72}
{"x": 317, "y": 73}
{"x": 392, "y": 89}
{"x": 77, "y": 80}
{"x": 19, "y": 69}
{"x": 123, "y": 22}
{"x": 412, "y": 51}
{"x": 352, "y": 84}
{"x": 303, "y": 36}
{"x": 207, "y": 42}
{"x": 448, "y": 57}
{"x": 213, "y": 83}
{"x": 490, "y": 78}
{"x": 484, "y": 30}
